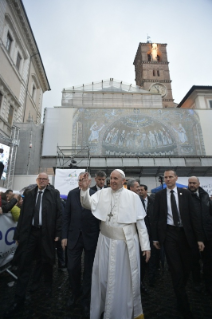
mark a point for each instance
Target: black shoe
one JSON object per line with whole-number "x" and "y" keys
{"x": 198, "y": 289}
{"x": 34, "y": 286}
{"x": 62, "y": 268}
{"x": 72, "y": 301}
{"x": 209, "y": 290}
{"x": 143, "y": 289}
{"x": 188, "y": 315}
{"x": 86, "y": 312}
{"x": 14, "y": 308}
{"x": 152, "y": 283}
{"x": 48, "y": 291}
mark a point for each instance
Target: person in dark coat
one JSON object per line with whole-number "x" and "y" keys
{"x": 134, "y": 186}
{"x": 38, "y": 228}
{"x": 203, "y": 206}
{"x": 154, "y": 261}
{"x": 176, "y": 226}
{"x": 100, "y": 178}
{"x": 80, "y": 231}
{"x": 6, "y": 205}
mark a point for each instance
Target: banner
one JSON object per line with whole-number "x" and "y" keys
{"x": 66, "y": 179}
{"x": 7, "y": 244}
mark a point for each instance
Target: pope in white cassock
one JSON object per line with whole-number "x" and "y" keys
{"x": 115, "y": 291}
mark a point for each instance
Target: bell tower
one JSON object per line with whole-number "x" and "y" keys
{"x": 152, "y": 71}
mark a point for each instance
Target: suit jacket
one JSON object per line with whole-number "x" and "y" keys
{"x": 94, "y": 188}
{"x": 77, "y": 219}
{"x": 203, "y": 206}
{"x": 51, "y": 224}
{"x": 149, "y": 216}
{"x": 187, "y": 212}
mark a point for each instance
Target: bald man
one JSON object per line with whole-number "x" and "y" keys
{"x": 203, "y": 206}
{"x": 39, "y": 226}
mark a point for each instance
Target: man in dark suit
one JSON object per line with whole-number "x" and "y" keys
{"x": 100, "y": 178}
{"x": 39, "y": 226}
{"x": 203, "y": 206}
{"x": 176, "y": 226}
{"x": 80, "y": 232}
{"x": 148, "y": 203}
{"x": 134, "y": 186}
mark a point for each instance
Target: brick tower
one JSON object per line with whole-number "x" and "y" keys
{"x": 152, "y": 71}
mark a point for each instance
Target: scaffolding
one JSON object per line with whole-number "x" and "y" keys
{"x": 110, "y": 94}
{"x": 13, "y": 142}
{"x": 68, "y": 156}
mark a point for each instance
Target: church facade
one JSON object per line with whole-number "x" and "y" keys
{"x": 138, "y": 128}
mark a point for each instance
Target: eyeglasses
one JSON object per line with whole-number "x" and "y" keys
{"x": 43, "y": 179}
{"x": 80, "y": 180}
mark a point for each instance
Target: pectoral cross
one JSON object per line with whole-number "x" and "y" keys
{"x": 110, "y": 215}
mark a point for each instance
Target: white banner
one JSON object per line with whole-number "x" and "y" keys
{"x": 66, "y": 179}
{"x": 7, "y": 244}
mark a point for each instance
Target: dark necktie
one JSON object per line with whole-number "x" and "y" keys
{"x": 174, "y": 210}
{"x": 143, "y": 203}
{"x": 37, "y": 209}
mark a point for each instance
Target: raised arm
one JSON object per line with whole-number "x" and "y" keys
{"x": 85, "y": 197}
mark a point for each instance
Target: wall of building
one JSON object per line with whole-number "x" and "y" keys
{"x": 29, "y": 150}
{"x": 199, "y": 97}
{"x": 18, "y": 79}
{"x": 58, "y": 129}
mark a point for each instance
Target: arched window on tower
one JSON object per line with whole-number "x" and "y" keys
{"x": 158, "y": 58}
{"x": 153, "y": 72}
{"x": 158, "y": 72}
{"x": 149, "y": 57}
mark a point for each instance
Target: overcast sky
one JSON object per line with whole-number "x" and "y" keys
{"x": 84, "y": 41}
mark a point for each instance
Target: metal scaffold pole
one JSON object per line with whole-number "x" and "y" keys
{"x": 13, "y": 142}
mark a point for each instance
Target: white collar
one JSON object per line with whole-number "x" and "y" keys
{"x": 197, "y": 192}
{"x": 174, "y": 189}
{"x": 41, "y": 190}
{"x": 118, "y": 190}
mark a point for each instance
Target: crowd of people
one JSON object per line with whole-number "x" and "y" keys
{"x": 124, "y": 235}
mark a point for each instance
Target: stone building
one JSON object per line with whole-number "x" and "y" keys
{"x": 23, "y": 78}
{"x": 198, "y": 97}
{"x": 152, "y": 71}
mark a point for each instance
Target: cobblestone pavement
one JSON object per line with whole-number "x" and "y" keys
{"x": 158, "y": 304}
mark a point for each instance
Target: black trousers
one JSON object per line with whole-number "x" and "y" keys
{"x": 153, "y": 264}
{"x": 61, "y": 255}
{"x": 207, "y": 264}
{"x": 74, "y": 270}
{"x": 196, "y": 269}
{"x": 179, "y": 257}
{"x": 33, "y": 249}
